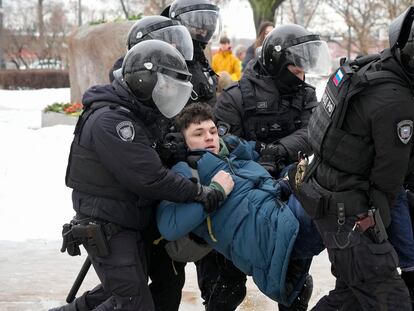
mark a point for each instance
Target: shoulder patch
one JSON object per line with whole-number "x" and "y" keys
{"x": 405, "y": 130}
{"x": 126, "y": 131}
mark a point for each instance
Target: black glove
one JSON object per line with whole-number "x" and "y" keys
{"x": 209, "y": 197}
{"x": 285, "y": 190}
{"x": 273, "y": 158}
{"x": 173, "y": 149}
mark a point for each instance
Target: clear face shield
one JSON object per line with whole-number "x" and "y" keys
{"x": 203, "y": 25}
{"x": 178, "y": 36}
{"x": 312, "y": 56}
{"x": 170, "y": 94}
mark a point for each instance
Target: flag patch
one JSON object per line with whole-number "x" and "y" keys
{"x": 338, "y": 77}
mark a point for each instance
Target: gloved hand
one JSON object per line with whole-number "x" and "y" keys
{"x": 173, "y": 149}
{"x": 285, "y": 190}
{"x": 273, "y": 158}
{"x": 209, "y": 197}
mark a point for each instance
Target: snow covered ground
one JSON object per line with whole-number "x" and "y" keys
{"x": 34, "y": 203}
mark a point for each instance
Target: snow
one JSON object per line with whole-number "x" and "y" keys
{"x": 34, "y": 203}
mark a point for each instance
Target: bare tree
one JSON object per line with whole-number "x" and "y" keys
{"x": 264, "y": 10}
{"x": 303, "y": 14}
{"x": 2, "y": 63}
{"x": 362, "y": 17}
{"x": 40, "y": 21}
{"x": 124, "y": 9}
{"x": 395, "y": 7}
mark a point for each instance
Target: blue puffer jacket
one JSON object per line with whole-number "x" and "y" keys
{"x": 253, "y": 228}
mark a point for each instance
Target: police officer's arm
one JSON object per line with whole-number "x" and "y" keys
{"x": 228, "y": 109}
{"x": 392, "y": 155}
{"x": 298, "y": 140}
{"x": 135, "y": 164}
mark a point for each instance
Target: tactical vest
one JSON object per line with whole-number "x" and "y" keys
{"x": 269, "y": 121}
{"x": 337, "y": 148}
{"x": 85, "y": 171}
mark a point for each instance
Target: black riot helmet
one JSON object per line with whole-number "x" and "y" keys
{"x": 401, "y": 37}
{"x": 156, "y": 72}
{"x": 164, "y": 29}
{"x": 200, "y": 17}
{"x": 294, "y": 45}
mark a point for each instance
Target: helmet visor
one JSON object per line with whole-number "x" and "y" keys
{"x": 312, "y": 56}
{"x": 171, "y": 94}
{"x": 201, "y": 24}
{"x": 178, "y": 36}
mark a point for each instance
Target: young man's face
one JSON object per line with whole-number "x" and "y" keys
{"x": 202, "y": 135}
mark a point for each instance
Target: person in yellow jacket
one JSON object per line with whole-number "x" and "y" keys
{"x": 224, "y": 60}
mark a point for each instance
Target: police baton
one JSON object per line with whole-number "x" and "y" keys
{"x": 79, "y": 279}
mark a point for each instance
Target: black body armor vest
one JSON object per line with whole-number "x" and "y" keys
{"x": 85, "y": 172}
{"x": 337, "y": 148}
{"x": 269, "y": 120}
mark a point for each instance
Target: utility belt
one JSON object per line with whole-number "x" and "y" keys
{"x": 91, "y": 233}
{"x": 319, "y": 202}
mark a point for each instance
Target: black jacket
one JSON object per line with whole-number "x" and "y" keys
{"x": 203, "y": 78}
{"x": 374, "y": 116}
{"x": 121, "y": 137}
{"x": 283, "y": 113}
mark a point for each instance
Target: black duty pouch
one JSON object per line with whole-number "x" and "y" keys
{"x": 69, "y": 243}
{"x": 91, "y": 235}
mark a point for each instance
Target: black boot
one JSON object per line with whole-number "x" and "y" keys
{"x": 408, "y": 277}
{"x": 301, "y": 302}
{"x": 69, "y": 307}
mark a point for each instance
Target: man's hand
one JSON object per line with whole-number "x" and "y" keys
{"x": 225, "y": 180}
{"x": 211, "y": 196}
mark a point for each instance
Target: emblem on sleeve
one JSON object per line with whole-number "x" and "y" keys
{"x": 405, "y": 130}
{"x": 126, "y": 131}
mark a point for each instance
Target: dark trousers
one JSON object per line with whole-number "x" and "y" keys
{"x": 167, "y": 279}
{"x": 122, "y": 275}
{"x": 365, "y": 271}
{"x": 222, "y": 285}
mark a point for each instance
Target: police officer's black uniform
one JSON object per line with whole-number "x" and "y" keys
{"x": 204, "y": 79}
{"x": 167, "y": 277}
{"x": 362, "y": 153}
{"x": 271, "y": 106}
{"x": 117, "y": 175}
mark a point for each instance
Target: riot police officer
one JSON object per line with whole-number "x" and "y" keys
{"x": 117, "y": 177}
{"x": 167, "y": 280}
{"x": 361, "y": 135}
{"x": 201, "y": 18}
{"x": 272, "y": 103}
